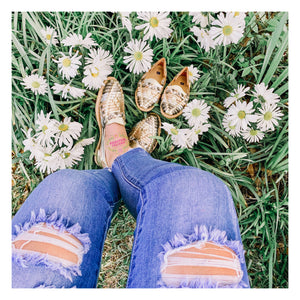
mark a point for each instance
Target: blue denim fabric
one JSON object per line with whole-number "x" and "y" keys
{"x": 172, "y": 204}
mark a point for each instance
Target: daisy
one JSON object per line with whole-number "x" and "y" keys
{"x": 67, "y": 88}
{"x": 193, "y": 74}
{"x": 227, "y": 29}
{"x": 69, "y": 157}
{"x": 68, "y": 64}
{"x": 252, "y": 135}
{"x": 36, "y": 83}
{"x": 264, "y": 95}
{"x": 67, "y": 131}
{"x": 204, "y": 38}
{"x": 201, "y": 18}
{"x": 192, "y": 138}
{"x": 45, "y": 129}
{"x": 31, "y": 144}
{"x": 101, "y": 58}
{"x": 233, "y": 130}
{"x": 241, "y": 114}
{"x": 238, "y": 93}
{"x": 49, "y": 35}
{"x": 95, "y": 75}
{"x": 201, "y": 128}
{"x": 239, "y": 15}
{"x": 47, "y": 160}
{"x": 140, "y": 56}
{"x": 179, "y": 137}
{"x": 196, "y": 112}
{"x": 74, "y": 40}
{"x": 268, "y": 117}
{"x": 157, "y": 25}
{"x": 125, "y": 20}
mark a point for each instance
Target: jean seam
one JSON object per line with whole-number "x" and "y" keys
{"x": 104, "y": 238}
{"x": 135, "y": 242}
{"x": 121, "y": 167}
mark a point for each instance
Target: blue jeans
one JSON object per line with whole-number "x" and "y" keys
{"x": 178, "y": 209}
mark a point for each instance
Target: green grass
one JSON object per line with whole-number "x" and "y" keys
{"x": 257, "y": 174}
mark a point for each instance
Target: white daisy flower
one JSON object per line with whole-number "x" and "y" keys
{"x": 179, "y": 137}
{"x": 66, "y": 89}
{"x": 193, "y": 74}
{"x": 50, "y": 35}
{"x": 264, "y": 95}
{"x": 74, "y": 40}
{"x": 192, "y": 138}
{"x": 125, "y": 20}
{"x": 100, "y": 57}
{"x": 157, "y": 25}
{"x": 203, "y": 19}
{"x": 204, "y": 38}
{"x": 95, "y": 75}
{"x": 36, "y": 83}
{"x": 196, "y": 112}
{"x": 47, "y": 160}
{"x": 67, "y": 131}
{"x": 239, "y": 15}
{"x": 68, "y": 64}
{"x": 238, "y": 93}
{"x": 31, "y": 144}
{"x": 45, "y": 128}
{"x": 268, "y": 117}
{"x": 69, "y": 157}
{"x": 241, "y": 114}
{"x": 140, "y": 57}
{"x": 226, "y": 29}
{"x": 252, "y": 135}
{"x": 201, "y": 128}
{"x": 233, "y": 130}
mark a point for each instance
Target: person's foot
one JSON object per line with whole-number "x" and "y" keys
{"x": 115, "y": 142}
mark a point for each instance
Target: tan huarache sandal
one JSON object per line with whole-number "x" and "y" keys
{"x": 150, "y": 86}
{"x": 176, "y": 95}
{"x": 142, "y": 135}
{"x": 110, "y": 109}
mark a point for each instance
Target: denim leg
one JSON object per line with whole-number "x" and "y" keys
{"x": 59, "y": 232}
{"x": 184, "y": 217}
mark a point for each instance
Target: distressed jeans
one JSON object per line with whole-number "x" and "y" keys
{"x": 187, "y": 232}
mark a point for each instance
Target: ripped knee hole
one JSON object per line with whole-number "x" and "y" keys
{"x": 204, "y": 260}
{"x": 58, "y": 246}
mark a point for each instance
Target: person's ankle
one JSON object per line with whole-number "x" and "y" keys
{"x": 116, "y": 142}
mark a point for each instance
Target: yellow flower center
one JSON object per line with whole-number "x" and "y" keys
{"x": 66, "y": 155}
{"x": 66, "y": 62}
{"x": 236, "y": 13}
{"x": 174, "y": 131}
{"x": 253, "y": 132}
{"x": 154, "y": 22}
{"x": 63, "y": 127}
{"x": 241, "y": 114}
{"x": 48, "y": 37}
{"x": 138, "y": 55}
{"x": 227, "y": 30}
{"x": 268, "y": 116}
{"x": 35, "y": 84}
{"x": 44, "y": 128}
{"x": 196, "y": 112}
{"x": 95, "y": 74}
{"x": 190, "y": 74}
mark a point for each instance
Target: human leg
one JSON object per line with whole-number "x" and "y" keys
{"x": 59, "y": 232}
{"x": 187, "y": 232}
